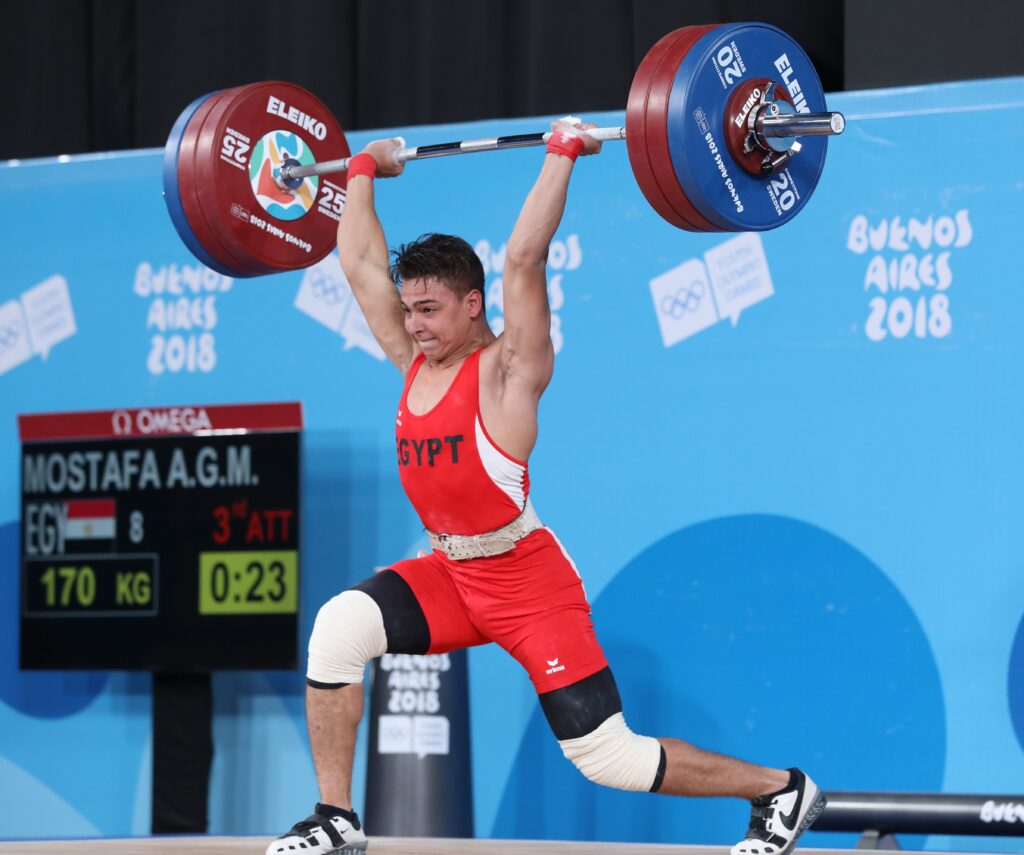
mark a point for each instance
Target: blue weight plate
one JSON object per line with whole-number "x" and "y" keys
{"x": 716, "y": 184}
{"x": 172, "y": 196}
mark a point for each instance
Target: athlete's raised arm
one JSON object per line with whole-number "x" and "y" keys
{"x": 363, "y": 251}
{"x": 527, "y": 355}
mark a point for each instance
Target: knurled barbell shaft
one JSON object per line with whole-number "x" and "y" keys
{"x": 812, "y": 124}
{"x": 424, "y": 152}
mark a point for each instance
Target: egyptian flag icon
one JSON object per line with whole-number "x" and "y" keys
{"x": 89, "y": 524}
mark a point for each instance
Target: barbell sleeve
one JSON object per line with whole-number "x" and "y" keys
{"x": 802, "y": 125}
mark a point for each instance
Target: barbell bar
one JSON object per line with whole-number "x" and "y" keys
{"x": 773, "y": 126}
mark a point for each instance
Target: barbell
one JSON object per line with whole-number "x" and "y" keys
{"x": 726, "y": 130}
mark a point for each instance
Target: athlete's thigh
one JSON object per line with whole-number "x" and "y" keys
{"x": 557, "y": 647}
{"x": 422, "y": 610}
{"x": 549, "y": 631}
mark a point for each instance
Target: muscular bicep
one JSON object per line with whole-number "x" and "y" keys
{"x": 527, "y": 351}
{"x": 529, "y": 354}
{"x": 363, "y": 252}
{"x": 381, "y": 306}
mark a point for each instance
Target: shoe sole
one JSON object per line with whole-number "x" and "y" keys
{"x": 812, "y": 814}
{"x": 348, "y": 847}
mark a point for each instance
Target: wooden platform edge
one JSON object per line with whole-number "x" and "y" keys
{"x": 216, "y": 845}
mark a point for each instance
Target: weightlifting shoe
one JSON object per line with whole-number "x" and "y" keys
{"x": 329, "y": 829}
{"x": 778, "y": 819}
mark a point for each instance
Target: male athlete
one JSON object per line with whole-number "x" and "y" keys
{"x": 466, "y": 424}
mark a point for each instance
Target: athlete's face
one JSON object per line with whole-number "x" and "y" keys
{"x": 438, "y": 319}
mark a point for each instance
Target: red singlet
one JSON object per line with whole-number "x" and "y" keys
{"x": 530, "y": 600}
{"x": 456, "y": 477}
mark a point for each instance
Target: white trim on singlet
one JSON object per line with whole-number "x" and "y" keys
{"x": 505, "y": 472}
{"x": 568, "y": 558}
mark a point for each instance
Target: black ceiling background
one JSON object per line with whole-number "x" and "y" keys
{"x": 97, "y": 75}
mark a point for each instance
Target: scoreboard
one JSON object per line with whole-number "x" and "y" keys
{"x": 161, "y": 539}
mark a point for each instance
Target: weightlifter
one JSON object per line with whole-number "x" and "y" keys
{"x": 466, "y": 424}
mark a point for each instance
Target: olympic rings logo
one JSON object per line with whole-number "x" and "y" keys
{"x": 686, "y": 299}
{"x": 328, "y": 290}
{"x": 10, "y": 335}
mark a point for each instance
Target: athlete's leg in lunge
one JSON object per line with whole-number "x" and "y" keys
{"x": 332, "y": 717}
{"x": 692, "y": 771}
{"x": 348, "y": 632}
{"x": 784, "y": 803}
{"x": 380, "y": 614}
{"x": 587, "y": 719}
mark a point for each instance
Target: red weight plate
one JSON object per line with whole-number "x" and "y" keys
{"x": 172, "y": 195}
{"x": 636, "y": 133}
{"x": 242, "y": 142}
{"x": 656, "y": 121}
{"x": 188, "y": 180}
{"x": 210, "y": 217}
{"x": 242, "y": 261}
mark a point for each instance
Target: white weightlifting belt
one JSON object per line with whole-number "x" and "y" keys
{"x": 460, "y": 547}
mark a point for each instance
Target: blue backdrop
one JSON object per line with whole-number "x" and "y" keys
{"x": 787, "y": 464}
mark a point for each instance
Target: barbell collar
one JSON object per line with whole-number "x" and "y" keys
{"x": 425, "y": 152}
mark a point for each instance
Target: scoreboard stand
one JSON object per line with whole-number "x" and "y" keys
{"x": 163, "y": 539}
{"x": 182, "y": 752}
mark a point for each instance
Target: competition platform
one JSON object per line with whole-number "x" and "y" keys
{"x": 378, "y": 846}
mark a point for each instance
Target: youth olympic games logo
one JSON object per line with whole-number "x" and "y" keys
{"x": 686, "y": 299}
{"x": 265, "y": 165}
{"x": 10, "y": 335}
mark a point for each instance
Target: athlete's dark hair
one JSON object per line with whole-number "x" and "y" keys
{"x": 447, "y": 258}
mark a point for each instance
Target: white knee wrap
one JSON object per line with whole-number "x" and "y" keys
{"x": 614, "y": 756}
{"x": 348, "y": 633}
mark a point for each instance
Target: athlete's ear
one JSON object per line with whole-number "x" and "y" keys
{"x": 474, "y": 303}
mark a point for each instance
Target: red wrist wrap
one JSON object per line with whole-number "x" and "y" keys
{"x": 362, "y": 164}
{"x": 567, "y": 145}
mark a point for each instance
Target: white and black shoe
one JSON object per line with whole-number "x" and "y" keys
{"x": 329, "y": 829}
{"x": 778, "y": 819}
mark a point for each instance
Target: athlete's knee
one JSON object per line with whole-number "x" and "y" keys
{"x": 586, "y": 718}
{"x": 348, "y": 633}
{"x": 615, "y": 756}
